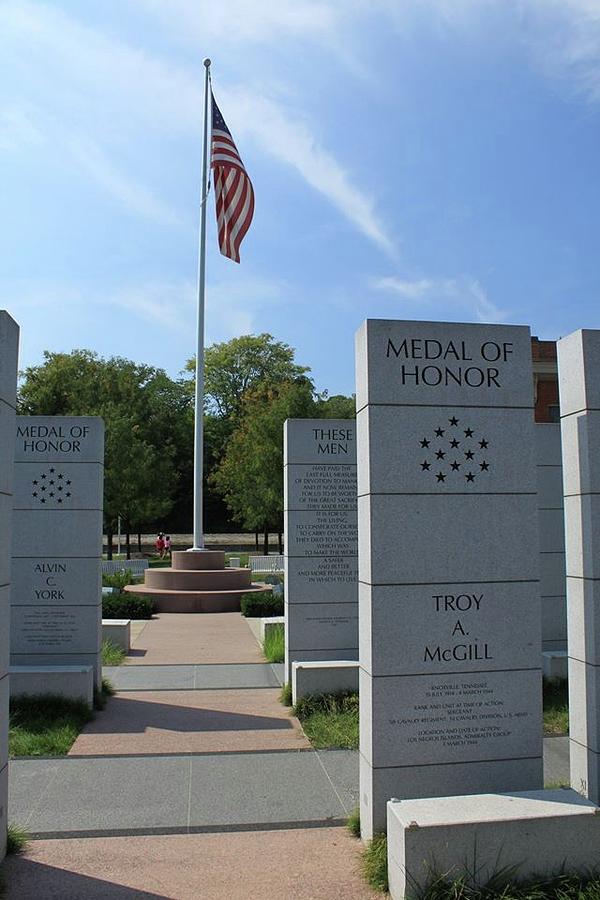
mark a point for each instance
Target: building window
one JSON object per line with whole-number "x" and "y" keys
{"x": 554, "y": 413}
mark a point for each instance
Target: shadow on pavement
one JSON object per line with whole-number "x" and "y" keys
{"x": 25, "y": 879}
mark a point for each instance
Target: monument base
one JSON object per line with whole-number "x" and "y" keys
{"x": 531, "y": 833}
{"x": 197, "y": 582}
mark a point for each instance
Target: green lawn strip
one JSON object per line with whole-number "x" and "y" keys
{"x": 374, "y": 864}
{"x": 274, "y": 644}
{"x": 330, "y": 720}
{"x": 112, "y": 654}
{"x": 45, "y": 725}
{"x": 556, "y": 706}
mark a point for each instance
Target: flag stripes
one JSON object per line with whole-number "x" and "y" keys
{"x": 234, "y": 195}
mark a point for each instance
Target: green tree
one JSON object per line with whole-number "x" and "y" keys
{"x": 234, "y": 367}
{"x": 250, "y": 474}
{"x": 147, "y": 418}
{"x": 336, "y": 407}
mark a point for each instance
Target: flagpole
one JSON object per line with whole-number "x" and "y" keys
{"x": 199, "y": 395}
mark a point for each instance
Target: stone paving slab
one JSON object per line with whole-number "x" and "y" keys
{"x": 556, "y": 760}
{"x": 148, "y": 722}
{"x": 162, "y": 794}
{"x": 172, "y": 638}
{"x": 186, "y": 677}
{"x": 309, "y": 864}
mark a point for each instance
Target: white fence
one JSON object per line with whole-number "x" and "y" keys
{"x": 266, "y": 563}
{"x": 135, "y": 566}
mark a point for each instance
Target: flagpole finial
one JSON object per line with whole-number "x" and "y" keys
{"x": 207, "y": 62}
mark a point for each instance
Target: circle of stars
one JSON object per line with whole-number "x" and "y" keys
{"x": 51, "y": 487}
{"x": 455, "y": 451}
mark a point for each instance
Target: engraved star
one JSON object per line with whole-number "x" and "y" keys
{"x": 483, "y": 444}
{"x": 453, "y": 420}
{"x": 35, "y": 482}
{"x": 59, "y": 475}
{"x": 60, "y": 487}
{"x": 484, "y": 466}
{"x": 43, "y": 500}
{"x": 60, "y": 499}
{"x": 469, "y": 476}
{"x": 425, "y": 465}
{"x": 440, "y": 454}
{"x": 43, "y": 487}
{"x": 454, "y": 443}
{"x": 51, "y": 481}
{"x": 439, "y": 432}
{"x": 469, "y": 454}
{"x": 68, "y": 482}
{"x": 468, "y": 432}
{"x": 51, "y": 471}
{"x": 44, "y": 475}
{"x": 424, "y": 443}
{"x": 35, "y": 493}
{"x": 441, "y": 476}
{"x": 455, "y": 466}
{"x": 68, "y": 493}
{"x": 52, "y": 493}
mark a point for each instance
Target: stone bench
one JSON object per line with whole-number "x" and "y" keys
{"x": 73, "y": 682}
{"x": 118, "y": 632}
{"x": 266, "y": 564}
{"x": 534, "y": 832}
{"x": 114, "y": 566}
{"x": 324, "y": 677}
{"x": 555, "y": 664}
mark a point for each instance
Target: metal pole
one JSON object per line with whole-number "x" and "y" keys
{"x": 118, "y": 535}
{"x": 199, "y": 398}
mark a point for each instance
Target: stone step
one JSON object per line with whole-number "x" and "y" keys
{"x": 198, "y": 579}
{"x": 195, "y": 601}
{"x": 198, "y": 559}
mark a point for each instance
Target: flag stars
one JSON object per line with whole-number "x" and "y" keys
{"x": 484, "y": 466}
{"x": 469, "y": 476}
{"x": 454, "y": 443}
{"x": 468, "y": 432}
{"x": 453, "y": 420}
{"x": 440, "y": 476}
{"x": 424, "y": 443}
{"x": 483, "y": 444}
{"x": 455, "y": 466}
{"x": 469, "y": 454}
{"x": 425, "y": 466}
{"x": 440, "y": 454}
{"x": 439, "y": 432}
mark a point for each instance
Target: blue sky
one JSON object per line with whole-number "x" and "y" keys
{"x": 419, "y": 159}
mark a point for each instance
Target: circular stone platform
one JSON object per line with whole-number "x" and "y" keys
{"x": 197, "y": 581}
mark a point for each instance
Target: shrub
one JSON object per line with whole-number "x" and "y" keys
{"x": 258, "y": 606}
{"x": 285, "y": 695}
{"x": 353, "y": 822}
{"x": 127, "y": 606}
{"x": 118, "y": 580}
{"x": 274, "y": 644}
{"x": 16, "y": 839}
{"x": 374, "y": 864}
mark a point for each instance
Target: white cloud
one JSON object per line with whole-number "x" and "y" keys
{"x": 464, "y": 295}
{"x": 292, "y": 141}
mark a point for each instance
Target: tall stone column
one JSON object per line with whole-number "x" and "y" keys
{"x": 9, "y": 340}
{"x": 579, "y": 383}
{"x": 449, "y": 607}
{"x": 321, "y": 608}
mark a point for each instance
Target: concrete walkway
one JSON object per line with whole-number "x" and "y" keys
{"x": 194, "y": 782}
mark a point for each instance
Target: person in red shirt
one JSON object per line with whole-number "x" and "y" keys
{"x": 160, "y": 544}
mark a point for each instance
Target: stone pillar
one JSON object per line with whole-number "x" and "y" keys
{"x": 552, "y": 537}
{"x": 449, "y": 607}
{"x": 56, "y": 601}
{"x": 579, "y": 383}
{"x": 9, "y": 340}
{"x": 321, "y": 609}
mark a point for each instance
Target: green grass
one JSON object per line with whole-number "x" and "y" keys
{"x": 117, "y": 580}
{"x": 330, "y": 720}
{"x": 243, "y": 558}
{"x": 556, "y": 706}
{"x": 16, "y": 839}
{"x": 45, "y": 725}
{"x": 353, "y": 823}
{"x": 274, "y": 644}
{"x": 374, "y": 863}
{"x": 285, "y": 695}
{"x": 503, "y": 886}
{"x": 112, "y": 654}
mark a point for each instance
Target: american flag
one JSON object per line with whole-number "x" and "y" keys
{"x": 234, "y": 195}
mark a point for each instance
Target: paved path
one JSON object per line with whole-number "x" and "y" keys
{"x": 194, "y": 782}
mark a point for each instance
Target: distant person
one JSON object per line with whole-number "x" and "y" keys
{"x": 167, "y": 551}
{"x": 160, "y": 544}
